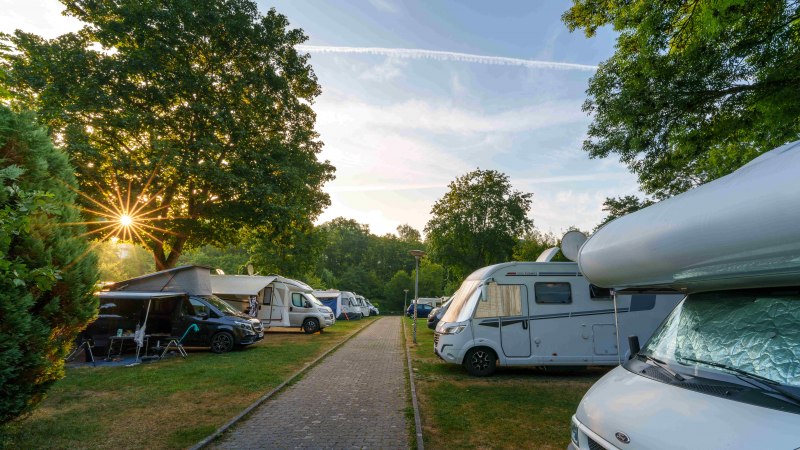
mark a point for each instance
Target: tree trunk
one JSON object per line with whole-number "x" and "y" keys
{"x": 164, "y": 261}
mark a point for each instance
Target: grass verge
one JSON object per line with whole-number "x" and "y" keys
{"x": 515, "y": 408}
{"x": 169, "y": 404}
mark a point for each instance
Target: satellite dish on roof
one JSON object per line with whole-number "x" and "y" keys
{"x": 250, "y": 270}
{"x": 571, "y": 243}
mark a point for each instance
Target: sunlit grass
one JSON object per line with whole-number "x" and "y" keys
{"x": 169, "y": 404}
{"x": 515, "y": 408}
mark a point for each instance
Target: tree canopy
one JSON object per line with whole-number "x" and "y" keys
{"x": 47, "y": 271}
{"x": 477, "y": 222}
{"x": 695, "y": 88}
{"x": 192, "y": 118}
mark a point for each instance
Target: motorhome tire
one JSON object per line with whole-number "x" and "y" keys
{"x": 480, "y": 362}
{"x": 310, "y": 326}
{"x": 222, "y": 342}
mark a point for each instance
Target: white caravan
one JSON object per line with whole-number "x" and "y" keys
{"x": 538, "y": 314}
{"x": 723, "y": 370}
{"x": 341, "y": 303}
{"x": 281, "y": 302}
{"x": 362, "y": 304}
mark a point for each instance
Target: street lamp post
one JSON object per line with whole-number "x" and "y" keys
{"x": 417, "y": 254}
{"x": 405, "y": 299}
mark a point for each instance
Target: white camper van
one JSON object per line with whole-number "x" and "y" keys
{"x": 281, "y": 302}
{"x": 541, "y": 313}
{"x": 362, "y": 304}
{"x": 341, "y": 303}
{"x": 723, "y": 370}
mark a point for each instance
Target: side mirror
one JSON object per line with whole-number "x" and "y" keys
{"x": 202, "y": 315}
{"x": 633, "y": 343}
{"x": 307, "y": 304}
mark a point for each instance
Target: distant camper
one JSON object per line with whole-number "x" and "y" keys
{"x": 342, "y": 303}
{"x": 279, "y": 301}
{"x": 541, "y": 313}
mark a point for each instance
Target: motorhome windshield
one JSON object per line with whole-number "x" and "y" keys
{"x": 460, "y": 307}
{"x": 313, "y": 300}
{"x": 734, "y": 332}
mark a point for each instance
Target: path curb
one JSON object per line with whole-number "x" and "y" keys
{"x": 213, "y": 436}
{"x": 414, "y": 403}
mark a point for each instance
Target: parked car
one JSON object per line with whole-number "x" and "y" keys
{"x": 422, "y": 310}
{"x": 436, "y": 314}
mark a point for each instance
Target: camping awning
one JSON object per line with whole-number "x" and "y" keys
{"x": 239, "y": 284}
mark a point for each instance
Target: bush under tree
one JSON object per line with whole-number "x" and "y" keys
{"x": 47, "y": 269}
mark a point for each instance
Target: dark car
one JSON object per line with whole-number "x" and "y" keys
{"x": 437, "y": 313}
{"x": 173, "y": 314}
{"x": 423, "y": 309}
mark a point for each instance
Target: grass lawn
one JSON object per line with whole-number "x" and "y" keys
{"x": 515, "y": 408}
{"x": 172, "y": 403}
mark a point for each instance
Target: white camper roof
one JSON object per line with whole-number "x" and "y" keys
{"x": 250, "y": 284}
{"x": 191, "y": 279}
{"x": 738, "y": 231}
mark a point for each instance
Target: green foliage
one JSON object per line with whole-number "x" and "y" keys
{"x": 199, "y": 110}
{"x": 47, "y": 270}
{"x": 530, "y": 246}
{"x": 122, "y": 261}
{"x": 695, "y": 89}
{"x": 232, "y": 259}
{"x": 617, "y": 207}
{"x": 393, "y": 290}
{"x": 477, "y": 222}
{"x": 292, "y": 252}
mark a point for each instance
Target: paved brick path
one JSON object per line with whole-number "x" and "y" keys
{"x": 354, "y": 398}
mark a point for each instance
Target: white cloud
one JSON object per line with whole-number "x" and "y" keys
{"x": 42, "y": 17}
{"x": 385, "y": 5}
{"x": 389, "y": 70}
{"x": 415, "y": 53}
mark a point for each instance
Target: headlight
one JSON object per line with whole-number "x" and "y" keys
{"x": 453, "y": 329}
{"x": 245, "y": 326}
{"x": 573, "y": 431}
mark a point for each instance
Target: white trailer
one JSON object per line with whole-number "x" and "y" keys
{"x": 723, "y": 370}
{"x": 539, "y": 314}
{"x": 342, "y": 303}
{"x": 280, "y": 302}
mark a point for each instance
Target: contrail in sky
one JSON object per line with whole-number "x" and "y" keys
{"x": 415, "y": 53}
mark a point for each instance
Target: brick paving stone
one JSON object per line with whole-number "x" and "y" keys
{"x": 354, "y": 399}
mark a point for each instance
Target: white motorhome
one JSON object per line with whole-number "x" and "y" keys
{"x": 539, "y": 314}
{"x": 281, "y": 302}
{"x": 342, "y": 304}
{"x": 723, "y": 370}
{"x": 362, "y": 304}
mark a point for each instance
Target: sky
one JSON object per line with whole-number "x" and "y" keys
{"x": 416, "y": 94}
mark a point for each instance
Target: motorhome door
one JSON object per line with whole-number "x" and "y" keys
{"x": 509, "y": 303}
{"x": 273, "y": 306}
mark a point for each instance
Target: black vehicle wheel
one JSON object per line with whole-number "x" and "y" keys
{"x": 310, "y": 326}
{"x": 480, "y": 362}
{"x": 222, "y": 342}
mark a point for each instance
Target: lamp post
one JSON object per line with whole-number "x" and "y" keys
{"x": 405, "y": 299}
{"x": 417, "y": 254}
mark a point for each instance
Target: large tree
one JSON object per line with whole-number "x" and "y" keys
{"x": 47, "y": 271}
{"x": 695, "y": 89}
{"x": 192, "y": 117}
{"x": 478, "y": 221}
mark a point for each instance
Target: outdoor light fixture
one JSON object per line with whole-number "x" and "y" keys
{"x": 417, "y": 254}
{"x": 405, "y": 299}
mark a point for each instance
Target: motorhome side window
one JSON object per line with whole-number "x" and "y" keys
{"x": 268, "y": 295}
{"x": 599, "y": 293}
{"x": 502, "y": 300}
{"x": 550, "y": 293}
{"x": 297, "y": 299}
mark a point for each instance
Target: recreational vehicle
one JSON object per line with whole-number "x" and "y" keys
{"x": 342, "y": 303}
{"x": 168, "y": 304}
{"x": 362, "y": 304}
{"x": 538, "y": 314}
{"x": 276, "y": 301}
{"x": 723, "y": 370}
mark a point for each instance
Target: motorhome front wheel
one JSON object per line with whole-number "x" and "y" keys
{"x": 480, "y": 362}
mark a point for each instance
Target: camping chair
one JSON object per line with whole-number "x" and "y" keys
{"x": 177, "y": 343}
{"x": 86, "y": 345}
